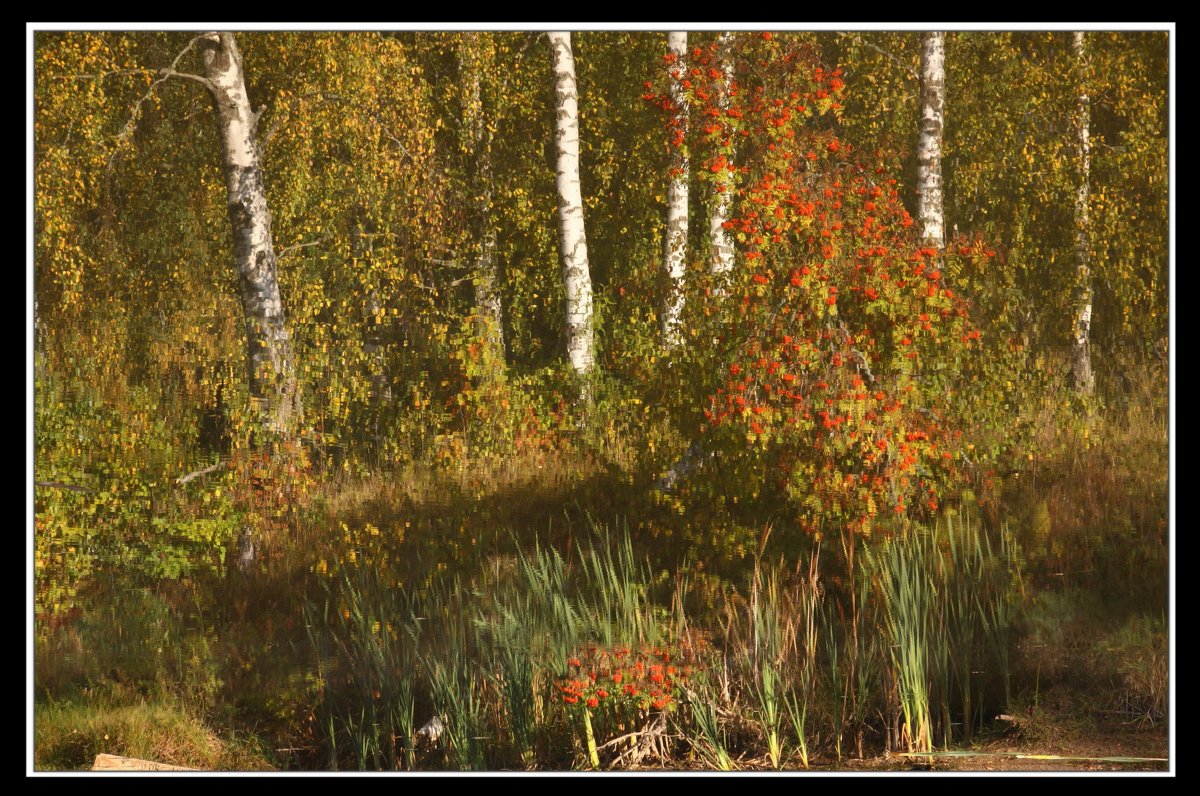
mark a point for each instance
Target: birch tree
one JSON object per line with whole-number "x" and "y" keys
{"x": 675, "y": 238}
{"x": 577, "y": 280}
{"x": 929, "y": 141}
{"x": 473, "y": 58}
{"x": 273, "y": 387}
{"x": 1081, "y": 360}
{"x": 719, "y": 237}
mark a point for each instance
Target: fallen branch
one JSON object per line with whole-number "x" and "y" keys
{"x": 116, "y": 763}
{"x": 650, "y": 740}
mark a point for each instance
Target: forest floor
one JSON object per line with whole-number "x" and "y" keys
{"x": 1077, "y": 752}
{"x": 1037, "y": 742}
{"x": 1092, "y": 750}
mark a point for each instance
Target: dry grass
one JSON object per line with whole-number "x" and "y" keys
{"x": 1089, "y": 507}
{"x": 1089, "y": 504}
{"x": 69, "y": 735}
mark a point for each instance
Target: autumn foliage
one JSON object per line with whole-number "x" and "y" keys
{"x": 839, "y": 337}
{"x": 432, "y": 549}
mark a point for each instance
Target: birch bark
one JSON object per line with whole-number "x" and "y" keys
{"x": 1081, "y": 357}
{"x": 273, "y": 386}
{"x": 488, "y": 307}
{"x": 721, "y": 241}
{"x": 577, "y": 280}
{"x": 675, "y": 239}
{"x": 929, "y": 141}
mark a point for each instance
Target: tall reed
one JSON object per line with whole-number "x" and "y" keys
{"x": 709, "y": 738}
{"x": 451, "y": 657}
{"x": 944, "y": 593}
{"x": 507, "y": 631}
{"x": 365, "y": 636}
{"x": 903, "y": 566}
{"x": 797, "y": 700}
{"x": 613, "y": 591}
{"x": 853, "y": 652}
{"x": 774, "y": 643}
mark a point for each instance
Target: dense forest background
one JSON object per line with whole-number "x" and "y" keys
{"x": 788, "y": 386}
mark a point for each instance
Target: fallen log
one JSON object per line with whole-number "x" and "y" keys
{"x": 117, "y": 763}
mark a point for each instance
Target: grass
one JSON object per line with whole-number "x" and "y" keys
{"x": 70, "y": 732}
{"x": 1089, "y": 507}
{"x": 708, "y": 738}
{"x": 945, "y": 595}
{"x": 908, "y": 622}
{"x": 511, "y": 659}
{"x": 772, "y": 639}
{"x": 484, "y": 653}
{"x": 1142, "y": 658}
{"x": 461, "y": 593}
{"x": 365, "y": 661}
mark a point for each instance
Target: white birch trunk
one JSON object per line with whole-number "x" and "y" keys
{"x": 577, "y": 280}
{"x": 488, "y": 308}
{"x": 1081, "y": 326}
{"x": 721, "y": 240}
{"x": 675, "y": 239}
{"x": 929, "y": 142}
{"x": 273, "y": 386}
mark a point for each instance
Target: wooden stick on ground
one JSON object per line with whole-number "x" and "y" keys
{"x": 116, "y": 763}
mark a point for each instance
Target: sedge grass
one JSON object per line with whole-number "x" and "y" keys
{"x": 708, "y": 737}
{"x": 905, "y": 580}
{"x": 364, "y": 636}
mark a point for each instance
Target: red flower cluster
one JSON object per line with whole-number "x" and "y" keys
{"x": 620, "y": 681}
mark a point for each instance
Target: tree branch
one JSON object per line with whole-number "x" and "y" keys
{"x": 906, "y": 67}
{"x": 168, "y": 72}
{"x": 163, "y": 74}
{"x": 183, "y": 479}
{"x": 327, "y": 97}
{"x": 102, "y": 75}
{"x": 295, "y": 246}
{"x": 452, "y": 283}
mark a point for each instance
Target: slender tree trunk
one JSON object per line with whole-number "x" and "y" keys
{"x": 488, "y": 303}
{"x": 1081, "y": 327}
{"x": 577, "y": 280}
{"x": 488, "y": 307}
{"x": 381, "y": 388}
{"x": 273, "y": 386}
{"x": 362, "y": 242}
{"x": 675, "y": 239}
{"x": 929, "y": 142}
{"x": 722, "y": 241}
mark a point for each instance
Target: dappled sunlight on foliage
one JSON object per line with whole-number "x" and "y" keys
{"x": 856, "y": 506}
